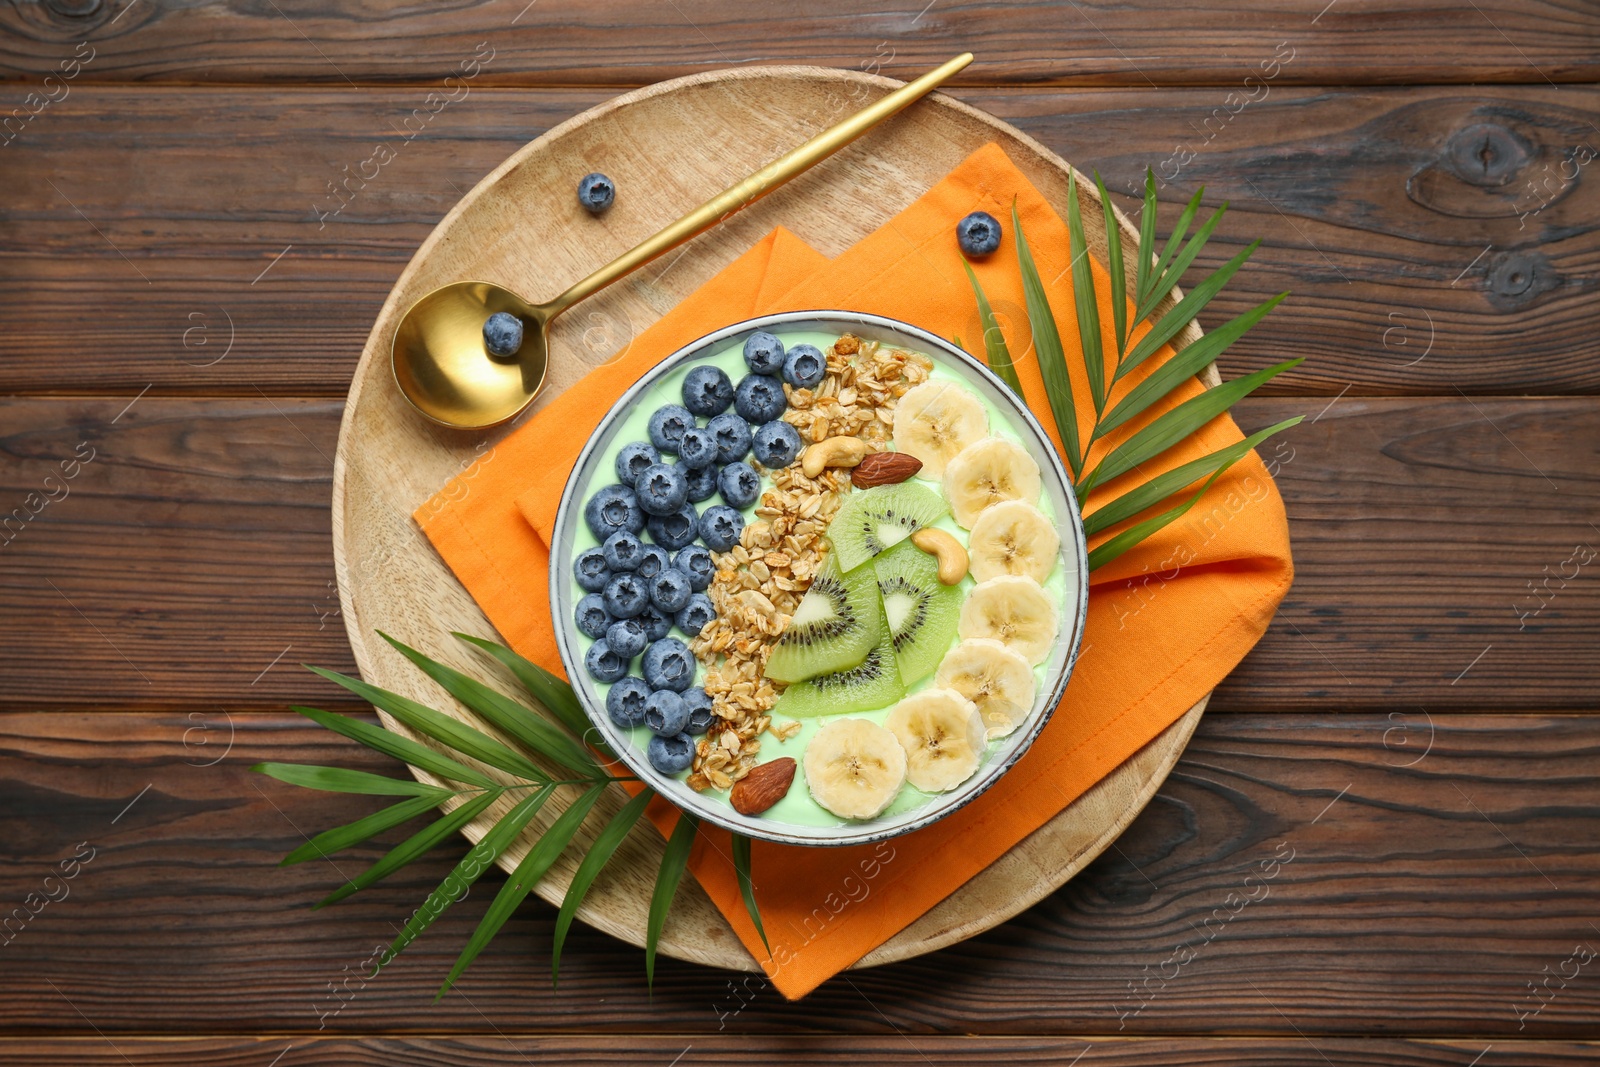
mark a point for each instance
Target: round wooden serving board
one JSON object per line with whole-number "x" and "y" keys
{"x": 668, "y": 147}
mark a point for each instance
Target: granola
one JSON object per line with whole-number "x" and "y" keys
{"x": 760, "y": 581}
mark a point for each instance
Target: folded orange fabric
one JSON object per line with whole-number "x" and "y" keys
{"x": 1167, "y": 621}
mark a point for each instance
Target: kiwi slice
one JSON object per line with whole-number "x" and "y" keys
{"x": 873, "y": 683}
{"x": 875, "y": 520}
{"x": 835, "y": 626}
{"x": 920, "y": 612}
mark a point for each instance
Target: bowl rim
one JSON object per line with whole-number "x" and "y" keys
{"x": 721, "y": 814}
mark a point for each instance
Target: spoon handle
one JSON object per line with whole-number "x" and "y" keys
{"x": 759, "y": 184}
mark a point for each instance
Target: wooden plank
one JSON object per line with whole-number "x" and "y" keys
{"x": 1095, "y": 42}
{"x": 1327, "y": 874}
{"x": 742, "y": 1050}
{"x": 188, "y": 563}
{"x": 1432, "y": 237}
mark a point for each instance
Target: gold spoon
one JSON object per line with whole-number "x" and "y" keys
{"x": 440, "y": 360}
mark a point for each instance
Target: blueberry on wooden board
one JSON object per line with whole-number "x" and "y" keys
{"x": 596, "y": 192}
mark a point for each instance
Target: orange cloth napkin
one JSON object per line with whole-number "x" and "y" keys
{"x": 1167, "y": 621}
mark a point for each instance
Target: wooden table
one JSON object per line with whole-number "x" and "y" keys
{"x": 1414, "y": 741}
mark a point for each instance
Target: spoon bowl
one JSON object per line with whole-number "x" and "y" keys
{"x": 444, "y": 368}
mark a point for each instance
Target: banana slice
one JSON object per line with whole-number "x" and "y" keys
{"x": 935, "y": 420}
{"x": 1014, "y": 611}
{"x": 988, "y": 472}
{"x": 1012, "y": 537}
{"x": 995, "y": 678}
{"x": 943, "y": 736}
{"x": 854, "y": 768}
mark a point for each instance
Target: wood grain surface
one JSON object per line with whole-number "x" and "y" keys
{"x": 181, "y": 297}
{"x": 614, "y": 43}
{"x": 1429, "y": 869}
{"x": 1418, "y": 229}
{"x": 801, "y": 1049}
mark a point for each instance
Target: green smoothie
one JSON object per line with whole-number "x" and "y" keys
{"x": 797, "y": 807}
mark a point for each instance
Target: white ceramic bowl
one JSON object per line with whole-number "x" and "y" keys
{"x": 1058, "y": 491}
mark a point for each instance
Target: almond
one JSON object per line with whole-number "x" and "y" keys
{"x": 763, "y": 787}
{"x": 884, "y": 468}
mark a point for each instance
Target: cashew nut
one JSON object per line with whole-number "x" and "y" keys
{"x": 947, "y": 550}
{"x": 834, "y": 452}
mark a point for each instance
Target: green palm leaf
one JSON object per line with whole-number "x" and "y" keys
{"x": 414, "y": 847}
{"x": 522, "y": 723}
{"x": 594, "y": 861}
{"x": 339, "y": 780}
{"x": 1170, "y": 275}
{"x": 673, "y": 861}
{"x": 1194, "y": 301}
{"x": 554, "y": 694}
{"x": 439, "y": 726}
{"x": 1047, "y": 349}
{"x": 539, "y": 859}
{"x": 1125, "y": 540}
{"x": 1147, "y": 238}
{"x": 342, "y": 837}
{"x": 1189, "y": 361}
{"x": 1174, "y": 240}
{"x": 401, "y": 748}
{"x": 1083, "y": 295}
{"x": 470, "y": 869}
{"x": 1164, "y": 485}
{"x": 747, "y": 887}
{"x": 994, "y": 341}
{"x": 1119, "y": 299}
{"x": 1181, "y": 421}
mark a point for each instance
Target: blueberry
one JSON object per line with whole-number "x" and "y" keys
{"x": 707, "y": 391}
{"x": 670, "y": 755}
{"x": 805, "y": 366}
{"x": 502, "y": 334}
{"x": 695, "y": 563}
{"x": 733, "y": 437}
{"x": 674, "y": 531}
{"x": 604, "y": 664}
{"x": 656, "y": 624}
{"x": 652, "y": 561}
{"x": 759, "y": 398}
{"x": 739, "y": 485}
{"x": 719, "y": 528}
{"x": 632, "y": 459}
{"x": 595, "y": 192}
{"x": 666, "y": 426}
{"x": 695, "y": 614}
{"x": 662, "y": 489}
{"x": 590, "y": 570}
{"x": 625, "y": 595}
{"x": 623, "y": 550}
{"x": 702, "y": 483}
{"x": 697, "y": 448}
{"x": 978, "y": 233}
{"x": 700, "y": 714}
{"x": 627, "y": 637}
{"x": 763, "y": 353}
{"x": 670, "y": 590}
{"x": 625, "y": 702}
{"x": 611, "y": 509}
{"x": 592, "y": 617}
{"x": 668, "y": 664}
{"x": 776, "y": 444}
{"x": 665, "y": 713}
